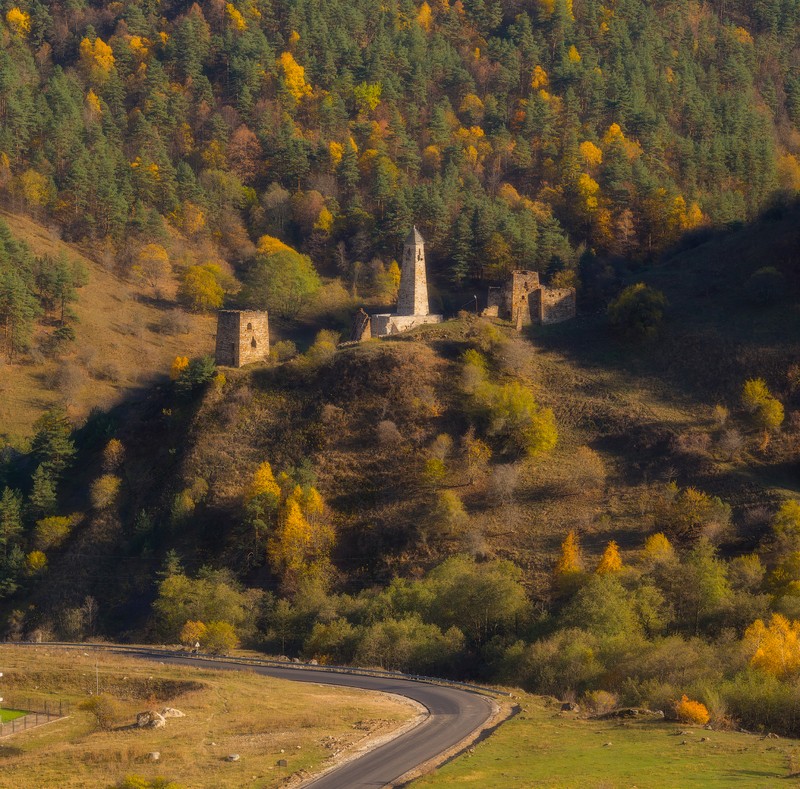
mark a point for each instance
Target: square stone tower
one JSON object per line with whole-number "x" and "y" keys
{"x": 412, "y": 298}
{"x": 242, "y": 337}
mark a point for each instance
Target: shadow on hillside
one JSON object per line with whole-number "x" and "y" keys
{"x": 718, "y": 330}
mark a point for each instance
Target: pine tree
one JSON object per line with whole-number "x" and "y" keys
{"x": 42, "y": 499}
{"x": 10, "y": 519}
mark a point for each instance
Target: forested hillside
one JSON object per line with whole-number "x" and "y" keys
{"x": 514, "y": 134}
{"x": 604, "y": 509}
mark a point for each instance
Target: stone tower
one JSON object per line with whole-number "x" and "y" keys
{"x": 412, "y": 298}
{"x": 242, "y": 337}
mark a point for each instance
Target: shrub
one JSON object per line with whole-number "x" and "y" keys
{"x": 284, "y": 350}
{"x": 688, "y": 711}
{"x": 514, "y": 417}
{"x": 104, "y": 708}
{"x": 765, "y": 286}
{"x": 599, "y": 701}
{"x": 638, "y": 311}
{"x": 219, "y": 638}
{"x": 767, "y": 412}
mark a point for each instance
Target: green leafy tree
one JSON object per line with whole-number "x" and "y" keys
{"x": 280, "y": 280}
{"x": 638, "y": 312}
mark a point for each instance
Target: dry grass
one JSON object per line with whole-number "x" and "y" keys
{"x": 118, "y": 346}
{"x": 259, "y": 718}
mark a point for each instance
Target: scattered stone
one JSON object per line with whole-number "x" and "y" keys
{"x": 283, "y": 763}
{"x": 770, "y": 736}
{"x": 153, "y": 756}
{"x": 704, "y": 739}
{"x": 683, "y": 742}
{"x": 283, "y": 750}
{"x": 313, "y": 663}
{"x": 232, "y": 757}
{"x": 569, "y": 706}
{"x": 171, "y": 712}
{"x": 295, "y": 660}
{"x": 150, "y": 720}
{"x": 606, "y": 744}
{"x": 297, "y": 747}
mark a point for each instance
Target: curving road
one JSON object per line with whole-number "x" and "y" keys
{"x": 454, "y": 715}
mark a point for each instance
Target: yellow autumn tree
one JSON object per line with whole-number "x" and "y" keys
{"x": 610, "y": 561}
{"x": 775, "y": 647}
{"x": 179, "y": 364}
{"x": 425, "y": 17}
{"x": 96, "y": 58}
{"x": 539, "y": 78}
{"x": 35, "y": 562}
{"x": 93, "y": 105}
{"x": 570, "y": 561}
{"x": 335, "y": 152}
{"x": 193, "y": 632}
{"x": 658, "y": 550}
{"x": 303, "y": 539}
{"x": 263, "y": 484}
{"x": 235, "y": 18}
{"x": 152, "y": 266}
{"x": 37, "y": 189}
{"x": 324, "y": 221}
{"x": 592, "y": 155}
{"x": 200, "y": 289}
{"x": 573, "y": 54}
{"x": 294, "y": 76}
{"x": 19, "y": 21}
{"x": 588, "y": 193}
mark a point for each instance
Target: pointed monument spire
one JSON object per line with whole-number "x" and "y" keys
{"x": 412, "y": 298}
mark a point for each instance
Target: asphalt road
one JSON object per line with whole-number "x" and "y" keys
{"x": 454, "y": 714}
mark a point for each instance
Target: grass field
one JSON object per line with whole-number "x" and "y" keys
{"x": 543, "y": 747}
{"x": 261, "y": 719}
{"x": 10, "y": 715}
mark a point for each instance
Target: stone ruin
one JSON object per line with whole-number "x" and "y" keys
{"x": 361, "y": 328}
{"x": 524, "y": 300}
{"x": 242, "y": 337}
{"x": 413, "y": 308}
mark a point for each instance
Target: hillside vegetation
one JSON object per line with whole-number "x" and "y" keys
{"x": 606, "y": 509}
{"x": 514, "y": 134}
{"x": 576, "y": 511}
{"x": 118, "y": 342}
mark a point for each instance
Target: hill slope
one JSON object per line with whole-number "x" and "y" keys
{"x": 122, "y": 342}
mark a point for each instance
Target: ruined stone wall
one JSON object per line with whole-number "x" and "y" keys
{"x": 386, "y": 324}
{"x": 517, "y": 296}
{"x": 242, "y": 337}
{"x": 556, "y": 305}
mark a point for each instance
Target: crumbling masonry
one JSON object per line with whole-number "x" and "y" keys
{"x": 524, "y": 300}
